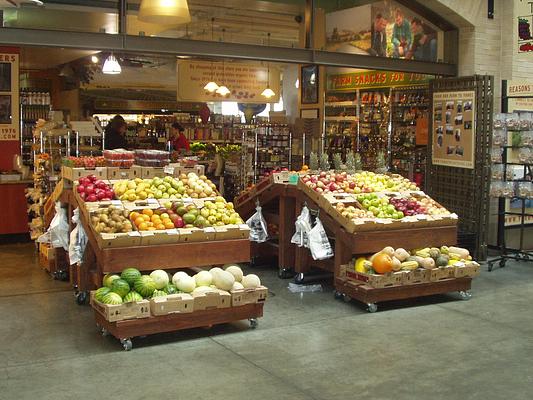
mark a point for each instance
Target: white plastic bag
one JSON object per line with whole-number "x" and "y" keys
{"x": 258, "y": 227}
{"x": 78, "y": 240}
{"x": 303, "y": 226}
{"x": 57, "y": 234}
{"x": 319, "y": 243}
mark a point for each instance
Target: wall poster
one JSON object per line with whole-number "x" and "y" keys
{"x": 9, "y": 96}
{"x": 454, "y": 127}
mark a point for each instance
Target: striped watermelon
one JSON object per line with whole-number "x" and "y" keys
{"x": 112, "y": 298}
{"x": 159, "y": 293}
{"x": 171, "y": 289}
{"x": 132, "y": 297}
{"x": 120, "y": 287}
{"x": 130, "y": 275}
{"x": 100, "y": 293}
{"x": 145, "y": 286}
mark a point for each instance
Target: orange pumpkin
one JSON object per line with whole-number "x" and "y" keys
{"x": 382, "y": 263}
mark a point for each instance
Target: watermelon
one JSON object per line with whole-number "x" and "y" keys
{"x": 171, "y": 289}
{"x": 100, "y": 293}
{"x": 145, "y": 286}
{"x": 132, "y": 296}
{"x": 120, "y": 287}
{"x": 108, "y": 279}
{"x": 112, "y": 298}
{"x": 129, "y": 275}
{"x": 159, "y": 293}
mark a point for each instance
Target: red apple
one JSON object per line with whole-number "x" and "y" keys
{"x": 80, "y": 189}
{"x": 84, "y": 181}
{"x": 89, "y": 189}
{"x": 91, "y": 198}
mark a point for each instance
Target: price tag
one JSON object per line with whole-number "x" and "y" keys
{"x": 134, "y": 234}
{"x": 209, "y": 230}
{"x": 152, "y": 201}
{"x": 116, "y": 203}
{"x": 172, "y": 231}
{"x": 169, "y": 170}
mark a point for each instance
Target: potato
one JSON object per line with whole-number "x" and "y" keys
{"x": 104, "y": 218}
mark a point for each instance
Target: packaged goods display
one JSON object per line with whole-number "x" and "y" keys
{"x": 119, "y": 158}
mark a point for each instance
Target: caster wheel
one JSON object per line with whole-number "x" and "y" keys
{"x": 253, "y": 323}
{"x": 284, "y": 273}
{"x": 502, "y": 263}
{"x": 372, "y": 307}
{"x": 346, "y": 298}
{"x": 299, "y": 278}
{"x": 81, "y": 298}
{"x": 337, "y": 294}
{"x": 465, "y": 295}
{"x": 126, "y": 343}
{"x": 104, "y": 332}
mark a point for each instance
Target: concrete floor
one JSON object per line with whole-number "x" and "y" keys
{"x": 307, "y": 346}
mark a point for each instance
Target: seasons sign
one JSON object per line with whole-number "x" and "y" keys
{"x": 375, "y": 79}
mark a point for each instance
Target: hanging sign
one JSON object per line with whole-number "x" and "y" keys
{"x": 454, "y": 127}
{"x": 9, "y": 96}
{"x": 246, "y": 82}
{"x": 375, "y": 79}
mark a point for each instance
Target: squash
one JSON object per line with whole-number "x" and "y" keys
{"x": 428, "y": 263}
{"x": 409, "y": 265}
{"x": 442, "y": 260}
{"x": 396, "y": 264}
{"x": 444, "y": 250}
{"x": 401, "y": 254}
{"x": 388, "y": 250}
{"x": 434, "y": 253}
{"x": 463, "y": 253}
{"x": 382, "y": 263}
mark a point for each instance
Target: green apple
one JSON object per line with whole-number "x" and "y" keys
{"x": 212, "y": 219}
{"x": 218, "y": 216}
{"x": 204, "y": 212}
{"x": 390, "y": 208}
{"x": 168, "y": 205}
{"x": 166, "y": 196}
{"x": 168, "y": 179}
{"x": 226, "y": 219}
{"x": 165, "y": 215}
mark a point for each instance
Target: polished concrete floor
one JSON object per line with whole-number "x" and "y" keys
{"x": 307, "y": 346}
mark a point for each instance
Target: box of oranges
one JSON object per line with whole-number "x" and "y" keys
{"x": 156, "y": 224}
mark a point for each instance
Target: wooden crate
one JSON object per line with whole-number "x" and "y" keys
{"x": 441, "y": 273}
{"x": 464, "y": 271}
{"x": 171, "y": 304}
{"x": 248, "y": 296}
{"x": 120, "y": 312}
{"x": 376, "y": 280}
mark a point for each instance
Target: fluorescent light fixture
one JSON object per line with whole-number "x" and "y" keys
{"x": 111, "y": 66}
{"x": 164, "y": 12}
{"x": 297, "y": 83}
{"x": 211, "y": 87}
{"x": 37, "y": 2}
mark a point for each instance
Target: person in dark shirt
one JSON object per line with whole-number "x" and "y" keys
{"x": 379, "y": 37}
{"x": 401, "y": 35}
{"x": 178, "y": 139}
{"x": 424, "y": 46}
{"x": 115, "y": 132}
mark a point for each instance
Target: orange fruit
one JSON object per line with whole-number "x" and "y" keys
{"x": 150, "y": 224}
{"x": 148, "y": 211}
{"x": 139, "y": 220}
{"x": 160, "y": 227}
{"x": 155, "y": 218}
{"x": 146, "y": 217}
{"x": 134, "y": 215}
{"x": 151, "y": 228}
{"x": 169, "y": 225}
{"x": 143, "y": 226}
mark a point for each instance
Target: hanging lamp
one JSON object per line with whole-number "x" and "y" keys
{"x": 164, "y": 12}
{"x": 268, "y": 93}
{"x": 111, "y": 66}
{"x": 223, "y": 90}
{"x": 212, "y": 86}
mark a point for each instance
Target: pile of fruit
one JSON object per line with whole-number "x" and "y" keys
{"x": 379, "y": 207}
{"x": 351, "y": 212}
{"x": 180, "y": 215}
{"x": 185, "y": 186}
{"x": 360, "y": 182}
{"x": 87, "y": 162}
{"x": 111, "y": 220}
{"x": 93, "y": 189}
{"x": 390, "y": 259}
{"x": 132, "y": 286}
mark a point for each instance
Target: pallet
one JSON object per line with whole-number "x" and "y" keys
{"x": 127, "y": 329}
{"x": 370, "y": 296}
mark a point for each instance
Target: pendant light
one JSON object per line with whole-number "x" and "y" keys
{"x": 268, "y": 93}
{"x": 111, "y": 66}
{"x": 164, "y": 12}
{"x": 212, "y": 85}
{"x": 223, "y": 90}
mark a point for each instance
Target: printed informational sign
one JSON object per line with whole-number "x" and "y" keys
{"x": 246, "y": 82}
{"x": 9, "y": 96}
{"x": 454, "y": 128}
{"x": 519, "y": 95}
{"x": 375, "y": 79}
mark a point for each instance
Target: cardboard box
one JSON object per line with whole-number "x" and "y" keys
{"x": 74, "y": 173}
{"x": 111, "y": 240}
{"x": 152, "y": 238}
{"x": 120, "y": 312}
{"x": 182, "y": 169}
{"x": 377, "y": 281}
{"x": 172, "y": 304}
{"x": 463, "y": 270}
{"x": 117, "y": 173}
{"x": 139, "y": 205}
{"x": 196, "y": 234}
{"x": 213, "y": 299}
{"x": 152, "y": 172}
{"x": 416, "y": 276}
{"x": 248, "y": 296}
{"x": 441, "y": 273}
{"x": 227, "y": 232}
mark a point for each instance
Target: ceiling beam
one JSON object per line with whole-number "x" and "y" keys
{"x": 199, "y": 48}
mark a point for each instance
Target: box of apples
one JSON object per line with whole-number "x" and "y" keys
{"x": 92, "y": 189}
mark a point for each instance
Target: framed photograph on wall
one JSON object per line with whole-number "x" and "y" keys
{"x": 309, "y": 113}
{"x": 309, "y": 84}
{"x": 5, "y": 77}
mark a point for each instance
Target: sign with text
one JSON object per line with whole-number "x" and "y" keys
{"x": 519, "y": 89}
{"x": 375, "y": 79}
{"x": 9, "y": 96}
{"x": 246, "y": 82}
{"x": 454, "y": 127}
{"x": 525, "y": 25}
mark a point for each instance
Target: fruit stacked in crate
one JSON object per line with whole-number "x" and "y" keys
{"x": 131, "y": 293}
{"x": 395, "y": 267}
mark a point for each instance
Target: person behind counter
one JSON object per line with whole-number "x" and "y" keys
{"x": 178, "y": 140}
{"x": 115, "y": 133}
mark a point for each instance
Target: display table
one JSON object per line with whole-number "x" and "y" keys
{"x": 13, "y": 207}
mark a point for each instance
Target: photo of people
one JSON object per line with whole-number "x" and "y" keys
{"x": 438, "y": 116}
{"x": 457, "y": 135}
{"x": 5, "y": 109}
{"x": 468, "y": 106}
{"x": 458, "y": 119}
{"x": 382, "y": 29}
{"x": 450, "y": 105}
{"x": 440, "y": 140}
{"x": 468, "y": 125}
{"x": 5, "y": 77}
{"x": 460, "y": 151}
{"x": 459, "y": 107}
{"x": 438, "y": 107}
{"x": 438, "y": 131}
{"x": 450, "y": 150}
{"x": 448, "y": 117}
{"x": 449, "y": 130}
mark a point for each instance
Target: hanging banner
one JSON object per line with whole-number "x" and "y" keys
{"x": 454, "y": 128}
{"x": 375, "y": 79}
{"x": 525, "y": 26}
{"x": 246, "y": 82}
{"x": 9, "y": 96}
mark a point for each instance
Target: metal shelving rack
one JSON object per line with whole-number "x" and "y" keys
{"x": 340, "y": 122}
{"x": 32, "y": 108}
